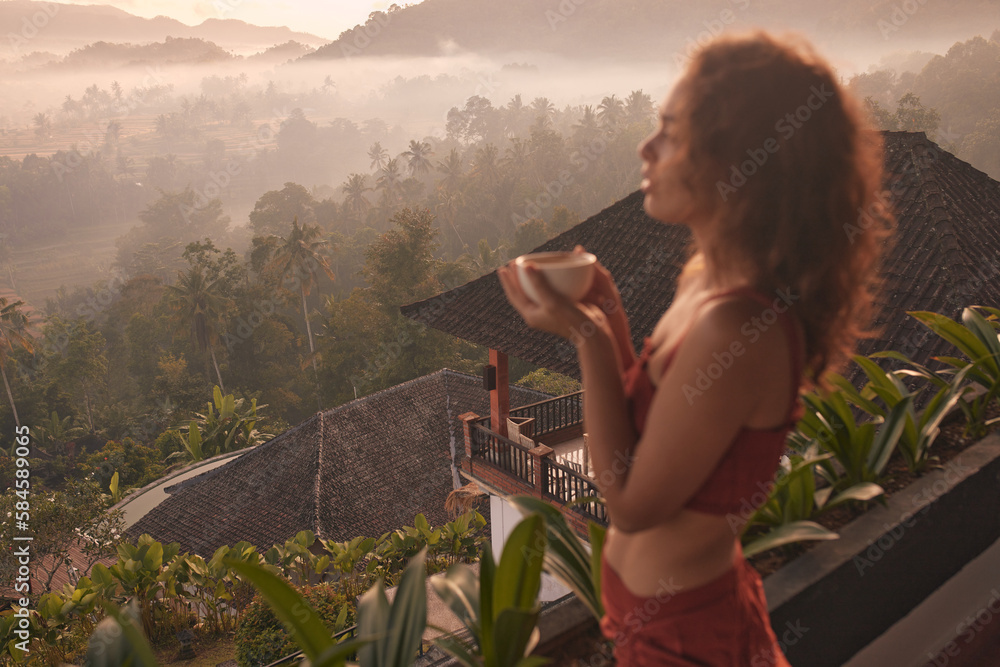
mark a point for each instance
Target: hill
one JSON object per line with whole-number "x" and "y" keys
{"x": 171, "y": 51}
{"x": 643, "y": 28}
{"x": 49, "y": 26}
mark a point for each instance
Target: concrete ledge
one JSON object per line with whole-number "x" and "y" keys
{"x": 844, "y": 593}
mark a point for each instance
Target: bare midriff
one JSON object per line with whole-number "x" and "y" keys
{"x": 693, "y": 547}
{"x": 689, "y": 550}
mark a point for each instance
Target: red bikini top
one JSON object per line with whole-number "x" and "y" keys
{"x": 743, "y": 475}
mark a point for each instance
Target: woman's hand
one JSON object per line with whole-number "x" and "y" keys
{"x": 554, "y": 313}
{"x": 603, "y": 292}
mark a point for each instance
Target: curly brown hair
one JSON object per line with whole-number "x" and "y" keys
{"x": 784, "y": 159}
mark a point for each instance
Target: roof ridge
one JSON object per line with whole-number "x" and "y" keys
{"x": 319, "y": 471}
{"x": 381, "y": 392}
{"x": 931, "y": 194}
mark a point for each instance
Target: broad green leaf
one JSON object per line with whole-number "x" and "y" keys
{"x": 987, "y": 335}
{"x": 799, "y": 531}
{"x": 373, "y": 621}
{"x": 864, "y": 491}
{"x": 194, "y": 442}
{"x": 887, "y": 436}
{"x": 921, "y": 370}
{"x": 515, "y": 634}
{"x": 408, "y": 615}
{"x": 953, "y": 332}
{"x": 487, "y": 576}
{"x": 518, "y": 575}
{"x": 597, "y": 534}
{"x": 855, "y": 397}
{"x": 114, "y": 486}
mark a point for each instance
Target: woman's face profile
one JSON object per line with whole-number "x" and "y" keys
{"x": 667, "y": 198}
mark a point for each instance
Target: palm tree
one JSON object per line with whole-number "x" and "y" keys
{"x": 512, "y": 116}
{"x": 485, "y": 164}
{"x": 447, "y": 207}
{"x": 588, "y": 123}
{"x": 378, "y": 155}
{"x": 113, "y": 133}
{"x": 354, "y": 188}
{"x": 486, "y": 258}
{"x": 388, "y": 180}
{"x": 610, "y": 111}
{"x": 13, "y": 322}
{"x": 543, "y": 107}
{"x": 43, "y": 127}
{"x": 199, "y": 309}
{"x": 452, "y": 170}
{"x": 416, "y": 156}
{"x": 516, "y": 155}
{"x": 639, "y": 107}
{"x": 298, "y": 258}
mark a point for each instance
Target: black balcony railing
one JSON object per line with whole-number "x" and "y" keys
{"x": 553, "y": 414}
{"x": 566, "y": 486}
{"x": 550, "y": 415}
{"x": 507, "y": 455}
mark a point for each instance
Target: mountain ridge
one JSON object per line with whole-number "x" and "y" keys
{"x": 29, "y": 25}
{"x": 636, "y": 28}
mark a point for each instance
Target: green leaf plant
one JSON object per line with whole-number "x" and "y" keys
{"x": 795, "y": 501}
{"x": 977, "y": 339}
{"x": 568, "y": 557}
{"x": 862, "y": 450}
{"x": 499, "y": 609}
{"x": 886, "y": 389}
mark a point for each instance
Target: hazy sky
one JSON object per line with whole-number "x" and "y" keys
{"x": 325, "y": 18}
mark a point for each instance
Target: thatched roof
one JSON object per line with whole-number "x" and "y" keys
{"x": 364, "y": 468}
{"x": 946, "y": 255}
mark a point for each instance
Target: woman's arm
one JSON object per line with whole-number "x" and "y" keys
{"x": 604, "y": 294}
{"x": 691, "y": 422}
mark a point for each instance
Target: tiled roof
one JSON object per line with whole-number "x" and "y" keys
{"x": 39, "y": 572}
{"x": 643, "y": 255}
{"x": 363, "y": 468}
{"x": 946, "y": 255}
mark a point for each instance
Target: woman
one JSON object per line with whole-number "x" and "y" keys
{"x": 767, "y": 160}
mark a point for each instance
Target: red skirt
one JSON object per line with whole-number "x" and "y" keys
{"x": 723, "y": 623}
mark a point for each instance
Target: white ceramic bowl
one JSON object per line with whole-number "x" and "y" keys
{"x": 569, "y": 273}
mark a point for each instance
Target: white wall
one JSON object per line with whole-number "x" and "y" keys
{"x": 503, "y": 518}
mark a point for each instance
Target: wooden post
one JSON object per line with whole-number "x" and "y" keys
{"x": 541, "y": 455}
{"x": 500, "y": 395}
{"x": 467, "y": 419}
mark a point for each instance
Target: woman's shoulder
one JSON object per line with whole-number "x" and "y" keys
{"x": 743, "y": 321}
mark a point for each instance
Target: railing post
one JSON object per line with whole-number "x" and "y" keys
{"x": 541, "y": 454}
{"x": 500, "y": 395}
{"x": 467, "y": 420}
